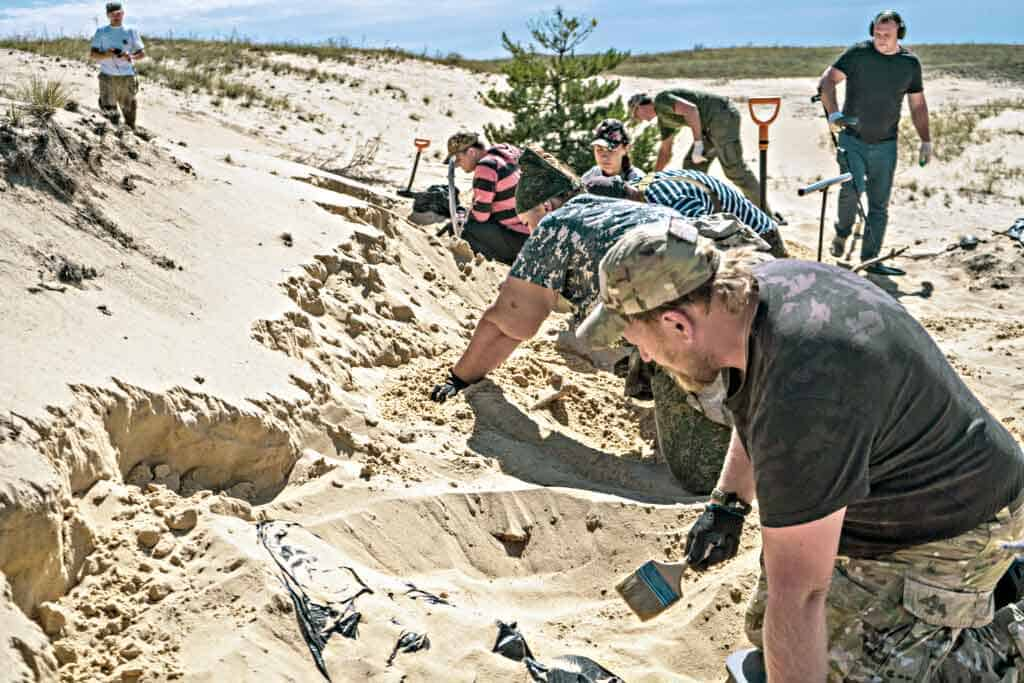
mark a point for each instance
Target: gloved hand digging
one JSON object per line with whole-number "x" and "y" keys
{"x": 449, "y": 388}
{"x": 715, "y": 536}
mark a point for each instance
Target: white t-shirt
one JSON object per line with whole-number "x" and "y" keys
{"x": 126, "y": 39}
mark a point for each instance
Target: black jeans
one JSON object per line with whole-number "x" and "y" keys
{"x": 494, "y": 241}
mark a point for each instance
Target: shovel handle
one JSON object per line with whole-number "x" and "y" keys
{"x": 421, "y": 143}
{"x": 757, "y": 101}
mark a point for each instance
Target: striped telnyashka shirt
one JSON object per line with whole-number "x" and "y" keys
{"x": 494, "y": 188}
{"x": 692, "y": 201}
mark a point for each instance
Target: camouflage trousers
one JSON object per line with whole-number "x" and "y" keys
{"x": 924, "y": 613}
{"x": 693, "y": 446}
{"x": 119, "y": 91}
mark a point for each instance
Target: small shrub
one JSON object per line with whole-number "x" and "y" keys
{"x": 286, "y": 238}
{"x": 426, "y": 100}
{"x": 44, "y": 96}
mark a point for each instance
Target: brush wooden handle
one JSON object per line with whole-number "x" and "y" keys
{"x": 672, "y": 572}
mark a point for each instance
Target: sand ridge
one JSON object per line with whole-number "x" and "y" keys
{"x": 265, "y": 378}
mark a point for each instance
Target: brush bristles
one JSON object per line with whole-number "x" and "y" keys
{"x": 642, "y": 598}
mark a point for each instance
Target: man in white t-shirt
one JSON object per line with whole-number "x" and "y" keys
{"x": 117, "y": 48}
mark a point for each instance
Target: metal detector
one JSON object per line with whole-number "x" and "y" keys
{"x": 822, "y": 186}
{"x": 762, "y": 137}
{"x": 421, "y": 144}
{"x": 846, "y": 122}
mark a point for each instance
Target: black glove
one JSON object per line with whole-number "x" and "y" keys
{"x": 451, "y": 386}
{"x": 715, "y": 536}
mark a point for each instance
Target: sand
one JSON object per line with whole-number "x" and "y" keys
{"x": 246, "y": 338}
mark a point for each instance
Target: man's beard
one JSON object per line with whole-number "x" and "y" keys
{"x": 690, "y": 384}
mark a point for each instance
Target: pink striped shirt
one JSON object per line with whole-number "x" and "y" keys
{"x": 494, "y": 188}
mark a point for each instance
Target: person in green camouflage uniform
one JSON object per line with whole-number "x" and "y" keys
{"x": 885, "y": 489}
{"x": 715, "y": 123}
{"x": 561, "y": 257}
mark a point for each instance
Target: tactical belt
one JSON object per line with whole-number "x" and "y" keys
{"x": 716, "y": 201}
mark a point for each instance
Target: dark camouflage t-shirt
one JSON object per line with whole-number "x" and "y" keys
{"x": 563, "y": 253}
{"x": 848, "y": 401}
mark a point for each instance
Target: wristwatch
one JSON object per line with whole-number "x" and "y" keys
{"x": 729, "y": 500}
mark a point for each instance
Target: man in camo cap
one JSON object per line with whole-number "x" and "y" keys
{"x": 571, "y": 232}
{"x": 884, "y": 496}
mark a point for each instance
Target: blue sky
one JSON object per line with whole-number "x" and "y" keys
{"x": 473, "y": 27}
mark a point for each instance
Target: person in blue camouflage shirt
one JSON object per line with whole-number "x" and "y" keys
{"x": 571, "y": 232}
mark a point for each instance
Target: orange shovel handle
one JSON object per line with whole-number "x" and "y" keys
{"x": 756, "y": 101}
{"x": 421, "y": 143}
{"x": 762, "y": 124}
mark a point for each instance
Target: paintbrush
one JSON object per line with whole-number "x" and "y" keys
{"x": 653, "y": 588}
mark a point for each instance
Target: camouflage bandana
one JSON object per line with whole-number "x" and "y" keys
{"x": 611, "y": 133}
{"x": 650, "y": 266}
{"x": 462, "y": 140}
{"x": 542, "y": 177}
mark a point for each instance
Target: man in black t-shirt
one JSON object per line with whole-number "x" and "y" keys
{"x": 884, "y": 496}
{"x": 878, "y": 73}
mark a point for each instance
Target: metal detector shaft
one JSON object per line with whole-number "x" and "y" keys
{"x": 452, "y": 200}
{"x": 842, "y": 152}
{"x": 822, "y": 184}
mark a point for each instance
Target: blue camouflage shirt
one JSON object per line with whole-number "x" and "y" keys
{"x": 563, "y": 253}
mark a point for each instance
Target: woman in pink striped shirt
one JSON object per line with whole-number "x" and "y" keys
{"x": 493, "y": 228}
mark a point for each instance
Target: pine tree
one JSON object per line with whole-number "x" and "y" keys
{"x": 554, "y": 94}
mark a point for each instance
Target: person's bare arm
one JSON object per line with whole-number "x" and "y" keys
{"x": 827, "y": 87}
{"x": 688, "y": 110}
{"x": 519, "y": 311}
{"x": 737, "y": 472}
{"x": 664, "y": 153}
{"x": 919, "y": 115}
{"x": 798, "y": 564}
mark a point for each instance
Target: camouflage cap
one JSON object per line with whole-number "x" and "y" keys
{"x": 462, "y": 140}
{"x": 542, "y": 177}
{"x": 610, "y": 133}
{"x": 649, "y": 266}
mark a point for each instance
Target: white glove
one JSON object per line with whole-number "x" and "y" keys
{"x": 698, "y": 152}
{"x": 925, "y": 154}
{"x": 834, "y": 120}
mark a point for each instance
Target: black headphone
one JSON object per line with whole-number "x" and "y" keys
{"x": 889, "y": 15}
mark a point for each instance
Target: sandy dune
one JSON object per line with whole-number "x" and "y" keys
{"x": 257, "y": 342}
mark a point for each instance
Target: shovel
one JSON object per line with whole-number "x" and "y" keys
{"x": 762, "y": 137}
{"x": 421, "y": 144}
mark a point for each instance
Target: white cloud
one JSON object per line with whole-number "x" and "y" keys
{"x": 184, "y": 17}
